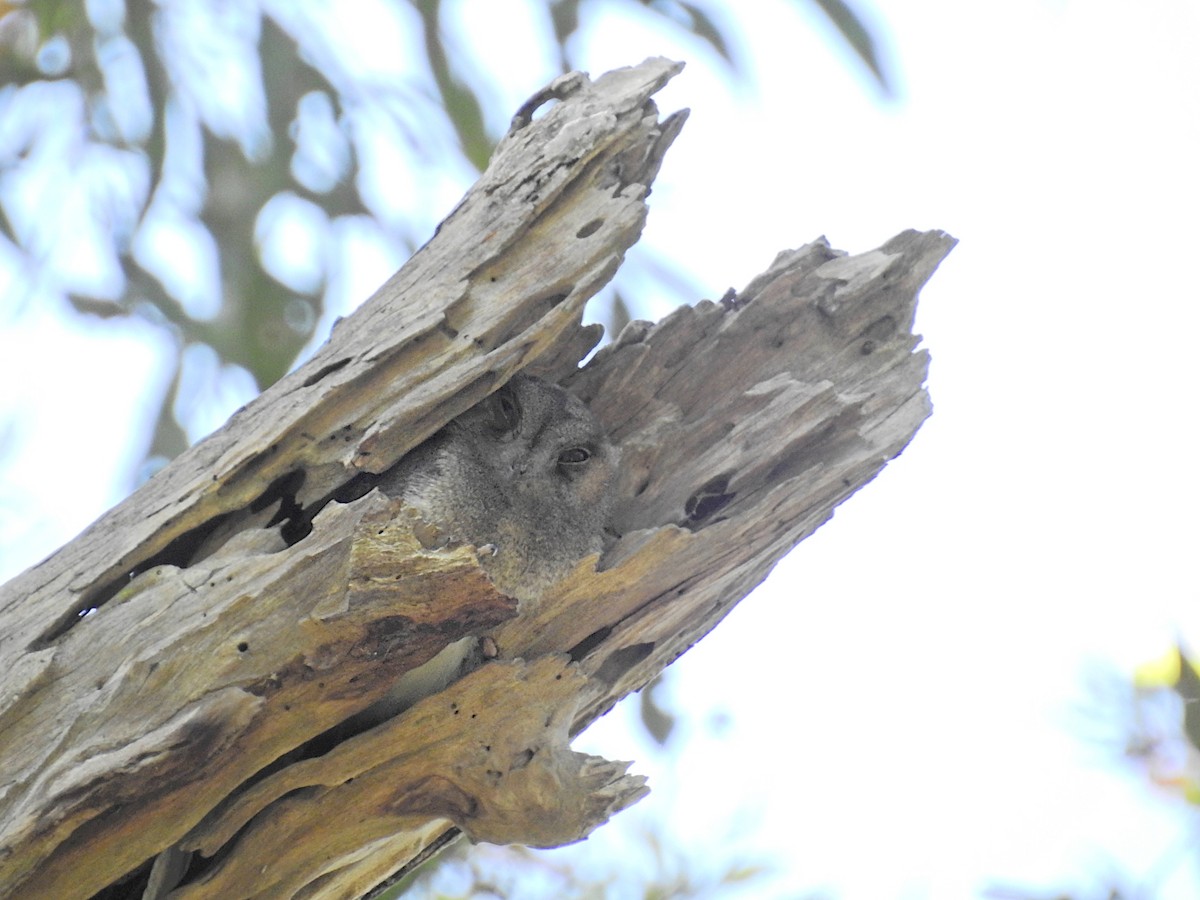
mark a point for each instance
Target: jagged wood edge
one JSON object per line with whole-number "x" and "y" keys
{"x": 502, "y": 286}
{"x": 839, "y": 365}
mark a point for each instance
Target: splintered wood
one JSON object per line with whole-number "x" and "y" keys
{"x": 168, "y": 678}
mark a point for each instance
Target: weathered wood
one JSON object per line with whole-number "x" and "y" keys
{"x": 508, "y": 777}
{"x": 155, "y": 720}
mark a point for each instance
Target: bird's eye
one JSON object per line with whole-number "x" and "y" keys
{"x": 505, "y": 413}
{"x": 574, "y": 456}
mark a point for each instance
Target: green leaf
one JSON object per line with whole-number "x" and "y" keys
{"x": 462, "y": 106}
{"x": 855, "y": 33}
{"x": 564, "y": 18}
{"x": 659, "y": 723}
{"x": 692, "y": 18}
{"x": 704, "y": 27}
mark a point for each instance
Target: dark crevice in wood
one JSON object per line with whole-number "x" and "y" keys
{"x": 620, "y": 661}
{"x": 322, "y": 373}
{"x": 589, "y": 643}
{"x": 186, "y": 550}
{"x": 708, "y": 500}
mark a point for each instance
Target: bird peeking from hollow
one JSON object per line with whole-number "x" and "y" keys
{"x": 528, "y": 471}
{"x": 529, "y": 474}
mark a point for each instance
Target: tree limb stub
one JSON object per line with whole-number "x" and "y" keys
{"x": 508, "y": 777}
{"x": 258, "y": 592}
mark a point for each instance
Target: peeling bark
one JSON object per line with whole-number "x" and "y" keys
{"x": 161, "y": 671}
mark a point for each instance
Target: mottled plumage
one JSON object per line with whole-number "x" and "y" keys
{"x": 528, "y": 471}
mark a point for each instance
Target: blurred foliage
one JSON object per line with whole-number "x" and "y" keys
{"x": 652, "y": 870}
{"x": 658, "y": 720}
{"x": 1152, "y": 723}
{"x": 1099, "y": 892}
{"x": 201, "y": 165}
{"x": 1164, "y": 739}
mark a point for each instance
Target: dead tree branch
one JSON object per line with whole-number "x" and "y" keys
{"x": 160, "y": 671}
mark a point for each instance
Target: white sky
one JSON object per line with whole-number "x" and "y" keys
{"x": 902, "y": 689}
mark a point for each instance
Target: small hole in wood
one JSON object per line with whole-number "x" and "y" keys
{"x": 590, "y": 228}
